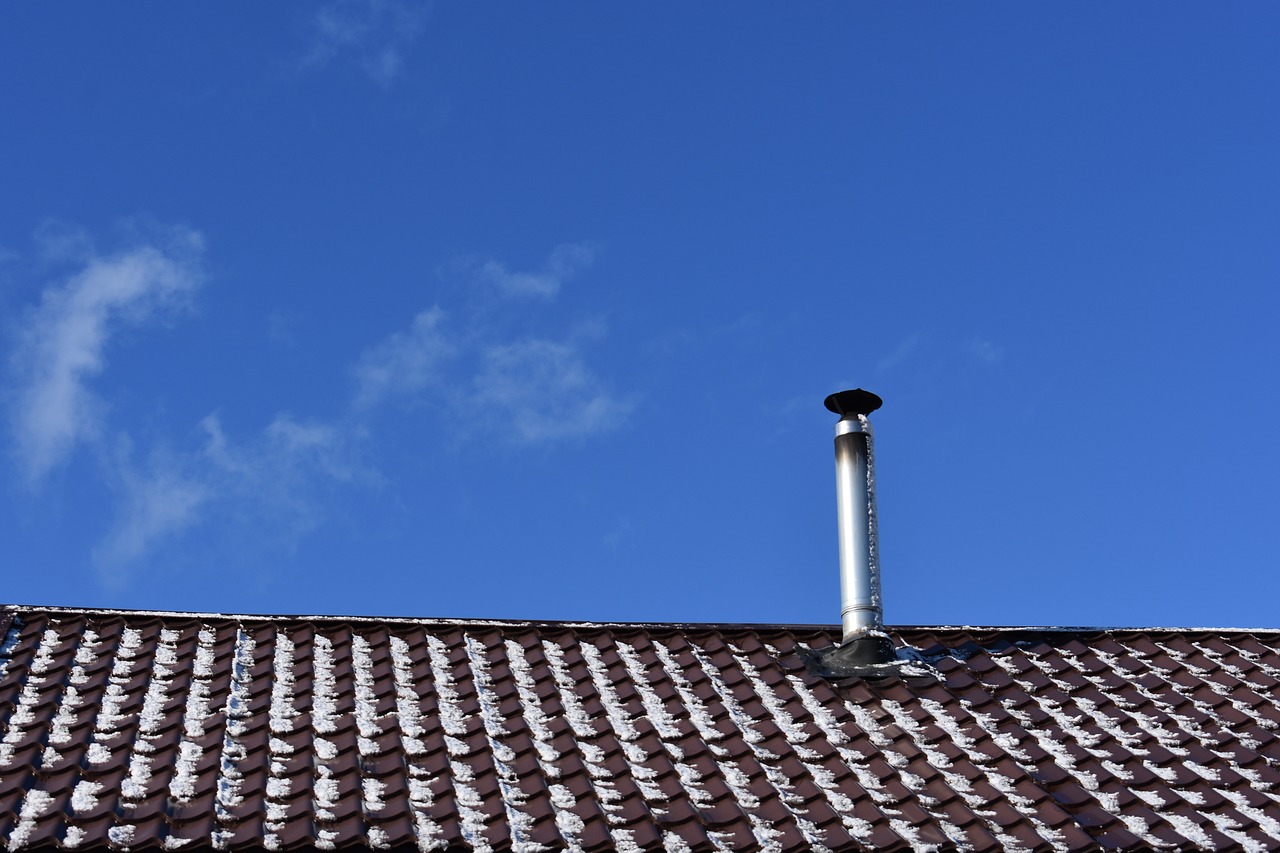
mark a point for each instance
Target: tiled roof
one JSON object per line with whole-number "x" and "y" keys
{"x": 139, "y": 730}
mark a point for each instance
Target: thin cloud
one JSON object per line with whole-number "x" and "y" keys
{"x": 281, "y": 481}
{"x": 541, "y": 389}
{"x": 376, "y": 34}
{"x": 64, "y": 343}
{"x": 984, "y": 351}
{"x": 283, "y": 473}
{"x": 565, "y": 261}
{"x": 275, "y": 480}
{"x": 906, "y": 349}
{"x": 153, "y": 504}
{"x": 544, "y": 392}
{"x": 404, "y": 363}
{"x": 475, "y": 370}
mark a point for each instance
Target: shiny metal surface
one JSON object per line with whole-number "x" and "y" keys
{"x": 860, "y": 608}
{"x": 855, "y": 424}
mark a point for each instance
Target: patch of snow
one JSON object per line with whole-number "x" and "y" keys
{"x": 110, "y": 715}
{"x": 673, "y": 843}
{"x": 699, "y": 714}
{"x": 378, "y": 838}
{"x": 373, "y": 791}
{"x": 829, "y": 725}
{"x": 408, "y": 702}
{"x": 84, "y": 797}
{"x": 121, "y": 835}
{"x": 753, "y": 737}
{"x": 721, "y": 842}
{"x": 324, "y": 749}
{"x": 282, "y": 712}
{"x": 531, "y": 709}
{"x": 49, "y": 758}
{"x": 959, "y": 783}
{"x": 620, "y": 719}
{"x": 624, "y": 841}
{"x": 44, "y": 658}
{"x": 1146, "y": 724}
{"x": 236, "y": 711}
{"x": 622, "y": 722}
{"x": 207, "y": 638}
{"x": 87, "y": 652}
{"x": 152, "y": 716}
{"x": 427, "y": 832}
{"x": 325, "y": 787}
{"x": 740, "y": 784}
{"x": 366, "y": 712}
{"x": 562, "y": 800}
{"x": 767, "y": 837}
{"x": 793, "y": 731}
{"x": 869, "y": 779}
{"x": 1189, "y": 830}
{"x": 324, "y": 706}
{"x": 655, "y": 710}
{"x": 666, "y": 725}
{"x": 1267, "y": 821}
{"x": 584, "y": 731}
{"x": 519, "y": 821}
{"x": 23, "y": 714}
{"x": 10, "y": 642}
{"x": 1230, "y": 828}
{"x": 73, "y": 838}
{"x": 34, "y": 804}
{"x": 472, "y": 820}
{"x": 68, "y": 708}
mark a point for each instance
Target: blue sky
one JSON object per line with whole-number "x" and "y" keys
{"x": 528, "y": 310}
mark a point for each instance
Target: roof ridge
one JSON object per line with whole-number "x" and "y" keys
{"x": 586, "y": 623}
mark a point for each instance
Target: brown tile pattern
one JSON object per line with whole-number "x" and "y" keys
{"x": 146, "y": 731}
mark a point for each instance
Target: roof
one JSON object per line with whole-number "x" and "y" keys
{"x": 143, "y": 730}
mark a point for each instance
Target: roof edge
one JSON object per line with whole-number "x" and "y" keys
{"x": 581, "y": 623}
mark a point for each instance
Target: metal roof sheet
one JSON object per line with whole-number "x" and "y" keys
{"x": 184, "y": 731}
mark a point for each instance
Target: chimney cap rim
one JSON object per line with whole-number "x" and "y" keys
{"x": 849, "y": 404}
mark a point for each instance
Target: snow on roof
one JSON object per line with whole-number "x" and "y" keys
{"x": 169, "y": 730}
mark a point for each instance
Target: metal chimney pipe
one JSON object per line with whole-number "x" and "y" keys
{"x": 861, "y": 613}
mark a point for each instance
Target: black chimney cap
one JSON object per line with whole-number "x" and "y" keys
{"x": 847, "y": 404}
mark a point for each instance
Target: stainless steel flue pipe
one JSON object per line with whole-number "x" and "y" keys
{"x": 860, "y": 609}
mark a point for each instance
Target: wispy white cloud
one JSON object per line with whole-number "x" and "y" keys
{"x": 542, "y": 391}
{"x": 159, "y": 492}
{"x": 404, "y": 363}
{"x": 984, "y": 351}
{"x": 153, "y": 503}
{"x": 377, "y": 34}
{"x": 273, "y": 483}
{"x": 565, "y": 261}
{"x": 281, "y": 481}
{"x": 63, "y": 343}
{"x": 287, "y": 452}
{"x": 906, "y": 349}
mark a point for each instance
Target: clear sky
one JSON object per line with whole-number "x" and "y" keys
{"x": 528, "y": 309}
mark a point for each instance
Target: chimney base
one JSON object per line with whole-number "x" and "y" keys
{"x": 859, "y": 657}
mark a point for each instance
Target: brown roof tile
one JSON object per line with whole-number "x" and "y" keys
{"x": 155, "y": 731}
